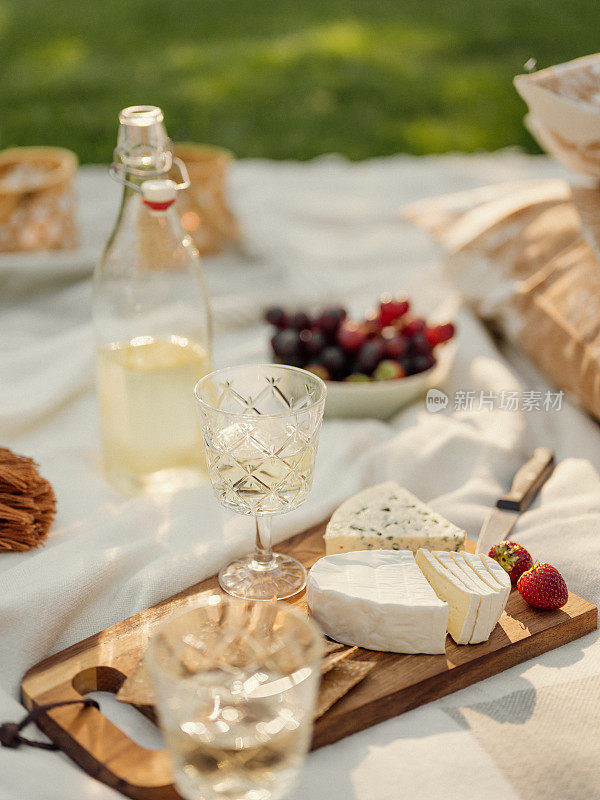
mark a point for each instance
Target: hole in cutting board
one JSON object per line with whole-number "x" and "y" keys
{"x": 101, "y": 684}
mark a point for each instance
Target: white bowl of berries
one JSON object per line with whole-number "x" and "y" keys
{"x": 374, "y": 366}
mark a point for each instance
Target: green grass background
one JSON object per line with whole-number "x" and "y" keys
{"x": 285, "y": 79}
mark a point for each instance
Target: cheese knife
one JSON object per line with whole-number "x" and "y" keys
{"x": 526, "y": 484}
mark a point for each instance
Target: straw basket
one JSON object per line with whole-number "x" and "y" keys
{"x": 203, "y": 207}
{"x": 564, "y": 105}
{"x": 37, "y": 207}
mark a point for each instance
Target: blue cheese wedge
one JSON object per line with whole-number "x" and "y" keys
{"x": 389, "y": 517}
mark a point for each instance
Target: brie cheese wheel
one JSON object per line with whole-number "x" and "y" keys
{"x": 389, "y": 517}
{"x": 379, "y": 600}
{"x": 475, "y": 596}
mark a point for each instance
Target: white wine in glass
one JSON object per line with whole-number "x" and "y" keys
{"x": 260, "y": 425}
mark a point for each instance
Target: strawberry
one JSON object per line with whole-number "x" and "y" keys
{"x": 513, "y": 558}
{"x": 543, "y": 586}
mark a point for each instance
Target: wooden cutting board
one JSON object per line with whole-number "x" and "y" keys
{"x": 397, "y": 684}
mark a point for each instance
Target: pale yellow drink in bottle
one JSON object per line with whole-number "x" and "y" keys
{"x": 152, "y": 322}
{"x": 149, "y": 422}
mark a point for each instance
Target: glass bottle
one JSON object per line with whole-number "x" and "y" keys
{"x": 151, "y": 320}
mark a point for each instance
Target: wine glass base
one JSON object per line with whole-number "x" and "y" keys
{"x": 282, "y": 577}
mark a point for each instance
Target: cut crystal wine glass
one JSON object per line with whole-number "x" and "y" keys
{"x": 260, "y": 425}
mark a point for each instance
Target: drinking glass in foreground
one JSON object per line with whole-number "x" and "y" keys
{"x": 260, "y": 425}
{"x": 236, "y": 684}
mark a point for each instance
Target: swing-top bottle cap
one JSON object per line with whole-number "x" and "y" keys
{"x": 159, "y": 193}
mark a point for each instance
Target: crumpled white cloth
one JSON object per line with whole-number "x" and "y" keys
{"x": 320, "y": 232}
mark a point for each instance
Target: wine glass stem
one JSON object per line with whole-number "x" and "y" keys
{"x": 263, "y": 555}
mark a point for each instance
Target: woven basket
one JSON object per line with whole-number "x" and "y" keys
{"x": 37, "y": 206}
{"x": 564, "y": 105}
{"x": 203, "y": 207}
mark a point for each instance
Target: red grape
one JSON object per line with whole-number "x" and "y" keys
{"x": 314, "y": 341}
{"x": 334, "y": 360}
{"x": 372, "y": 323}
{"x": 416, "y": 325}
{"x": 330, "y": 319}
{"x": 351, "y": 336}
{"x": 286, "y": 343}
{"x": 406, "y": 362}
{"x": 299, "y": 320}
{"x": 369, "y": 356}
{"x": 419, "y": 344}
{"x": 276, "y": 316}
{"x": 396, "y": 347}
{"x": 420, "y": 363}
{"x": 391, "y": 309}
{"x": 440, "y": 333}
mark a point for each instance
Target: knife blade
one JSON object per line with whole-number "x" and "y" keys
{"x": 527, "y": 482}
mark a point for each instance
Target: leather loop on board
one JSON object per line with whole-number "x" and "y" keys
{"x": 10, "y": 732}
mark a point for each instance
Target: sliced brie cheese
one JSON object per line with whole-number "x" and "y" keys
{"x": 495, "y": 571}
{"x": 389, "y": 517}
{"x": 463, "y": 602}
{"x": 490, "y": 571}
{"x": 492, "y": 600}
{"x": 476, "y": 595}
{"x": 378, "y": 600}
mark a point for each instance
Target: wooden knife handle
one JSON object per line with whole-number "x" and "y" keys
{"x": 528, "y": 480}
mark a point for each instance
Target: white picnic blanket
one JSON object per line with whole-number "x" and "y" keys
{"x": 322, "y": 231}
